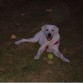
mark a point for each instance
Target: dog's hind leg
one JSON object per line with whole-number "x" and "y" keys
{"x": 26, "y": 40}
{"x": 34, "y": 39}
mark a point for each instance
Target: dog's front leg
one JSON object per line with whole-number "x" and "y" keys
{"x": 40, "y": 51}
{"x": 58, "y": 54}
{"x": 38, "y": 54}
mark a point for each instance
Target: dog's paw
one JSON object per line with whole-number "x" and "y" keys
{"x": 17, "y": 42}
{"x": 36, "y": 57}
{"x": 66, "y": 60}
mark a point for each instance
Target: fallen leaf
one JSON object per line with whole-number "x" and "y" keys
{"x": 13, "y": 36}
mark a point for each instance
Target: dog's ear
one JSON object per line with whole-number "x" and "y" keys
{"x": 56, "y": 29}
{"x": 43, "y": 28}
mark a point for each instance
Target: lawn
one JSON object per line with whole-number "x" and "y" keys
{"x": 24, "y": 19}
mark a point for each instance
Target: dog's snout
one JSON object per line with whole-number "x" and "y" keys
{"x": 49, "y": 34}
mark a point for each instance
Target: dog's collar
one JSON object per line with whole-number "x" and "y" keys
{"x": 56, "y": 42}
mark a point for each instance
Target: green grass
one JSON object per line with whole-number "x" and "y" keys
{"x": 17, "y": 63}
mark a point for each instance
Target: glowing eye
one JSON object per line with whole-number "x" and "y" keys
{"x": 46, "y": 29}
{"x": 52, "y": 30}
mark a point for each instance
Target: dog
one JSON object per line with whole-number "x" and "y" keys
{"x": 49, "y": 40}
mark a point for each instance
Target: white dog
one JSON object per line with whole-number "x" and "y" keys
{"x": 49, "y": 40}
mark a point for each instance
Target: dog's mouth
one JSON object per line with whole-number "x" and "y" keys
{"x": 49, "y": 36}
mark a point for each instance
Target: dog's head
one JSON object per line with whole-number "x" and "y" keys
{"x": 50, "y": 31}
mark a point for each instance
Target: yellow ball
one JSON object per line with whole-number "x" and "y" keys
{"x": 50, "y": 56}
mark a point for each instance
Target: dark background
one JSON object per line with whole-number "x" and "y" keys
{"x": 23, "y": 18}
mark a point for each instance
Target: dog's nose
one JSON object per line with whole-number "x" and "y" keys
{"x": 49, "y": 34}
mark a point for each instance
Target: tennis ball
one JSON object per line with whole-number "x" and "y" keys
{"x": 50, "y": 56}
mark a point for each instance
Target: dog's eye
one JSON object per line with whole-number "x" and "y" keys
{"x": 46, "y": 29}
{"x": 52, "y": 30}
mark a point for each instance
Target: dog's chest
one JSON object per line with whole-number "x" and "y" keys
{"x": 51, "y": 45}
